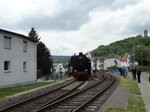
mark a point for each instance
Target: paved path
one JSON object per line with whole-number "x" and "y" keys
{"x": 145, "y": 90}
{"x": 118, "y": 98}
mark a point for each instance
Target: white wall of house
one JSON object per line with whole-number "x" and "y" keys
{"x": 111, "y": 62}
{"x": 99, "y": 64}
{"x": 59, "y": 67}
{"x": 16, "y": 56}
{"x": 103, "y": 64}
{"x": 126, "y": 63}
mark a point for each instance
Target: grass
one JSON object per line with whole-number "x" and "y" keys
{"x": 134, "y": 103}
{"x": 148, "y": 72}
{"x": 4, "y": 92}
{"x": 132, "y": 85}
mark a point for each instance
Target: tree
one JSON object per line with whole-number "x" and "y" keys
{"x": 33, "y": 34}
{"x": 44, "y": 60}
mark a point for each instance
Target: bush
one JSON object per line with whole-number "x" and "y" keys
{"x": 145, "y": 68}
{"x": 112, "y": 68}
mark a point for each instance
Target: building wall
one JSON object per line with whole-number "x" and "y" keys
{"x": 17, "y": 57}
{"x": 110, "y": 62}
{"x": 98, "y": 64}
{"x": 60, "y": 67}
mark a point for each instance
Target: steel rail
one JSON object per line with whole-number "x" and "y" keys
{"x": 70, "y": 96}
{"x": 60, "y": 96}
{"x": 34, "y": 97}
{"x": 81, "y": 107}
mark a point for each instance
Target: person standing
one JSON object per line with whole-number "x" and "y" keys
{"x": 120, "y": 70}
{"x": 139, "y": 74}
{"x": 134, "y": 73}
{"x": 124, "y": 72}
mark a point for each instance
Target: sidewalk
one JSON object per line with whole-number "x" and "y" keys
{"x": 145, "y": 90}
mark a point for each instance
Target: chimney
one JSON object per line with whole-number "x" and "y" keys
{"x": 145, "y": 33}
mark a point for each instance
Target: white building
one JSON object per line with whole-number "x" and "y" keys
{"x": 109, "y": 62}
{"x": 18, "y": 59}
{"x": 97, "y": 63}
{"x": 60, "y": 67}
{"x": 102, "y": 63}
{"x": 125, "y": 60}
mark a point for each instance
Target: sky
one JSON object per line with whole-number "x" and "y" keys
{"x": 72, "y": 26}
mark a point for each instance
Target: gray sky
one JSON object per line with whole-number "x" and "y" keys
{"x": 72, "y": 26}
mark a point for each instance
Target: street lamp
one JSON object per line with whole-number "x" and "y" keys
{"x": 95, "y": 66}
{"x": 141, "y": 54}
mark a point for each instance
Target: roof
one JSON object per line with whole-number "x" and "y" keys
{"x": 17, "y": 34}
{"x": 124, "y": 58}
{"x": 99, "y": 57}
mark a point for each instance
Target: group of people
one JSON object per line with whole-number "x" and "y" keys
{"x": 136, "y": 73}
{"x": 123, "y": 71}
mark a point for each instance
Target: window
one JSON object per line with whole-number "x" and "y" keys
{"x": 24, "y": 66}
{"x": 7, "y": 42}
{"x": 7, "y": 66}
{"x": 24, "y": 46}
{"x": 60, "y": 69}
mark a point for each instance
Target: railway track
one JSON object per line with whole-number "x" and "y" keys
{"x": 81, "y": 100}
{"x": 36, "y": 101}
{"x": 71, "y": 97}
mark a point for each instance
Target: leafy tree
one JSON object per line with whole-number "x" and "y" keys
{"x": 127, "y": 45}
{"x": 142, "y": 56}
{"x": 71, "y": 64}
{"x": 44, "y": 60}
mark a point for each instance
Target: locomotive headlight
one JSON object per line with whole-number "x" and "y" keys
{"x": 86, "y": 70}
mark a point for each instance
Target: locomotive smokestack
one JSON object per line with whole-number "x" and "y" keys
{"x": 80, "y": 53}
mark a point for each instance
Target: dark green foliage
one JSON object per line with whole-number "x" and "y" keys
{"x": 145, "y": 68}
{"x": 33, "y": 34}
{"x": 137, "y": 44}
{"x": 72, "y": 61}
{"x": 44, "y": 60}
{"x": 112, "y": 68}
{"x": 71, "y": 64}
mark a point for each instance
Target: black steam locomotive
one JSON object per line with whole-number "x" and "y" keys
{"x": 81, "y": 67}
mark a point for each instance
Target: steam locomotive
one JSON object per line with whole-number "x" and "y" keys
{"x": 81, "y": 67}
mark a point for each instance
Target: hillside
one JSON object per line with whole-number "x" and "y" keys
{"x": 120, "y": 47}
{"x": 60, "y": 58}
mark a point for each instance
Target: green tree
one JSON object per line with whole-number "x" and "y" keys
{"x": 121, "y": 47}
{"x": 44, "y": 60}
{"x": 33, "y": 34}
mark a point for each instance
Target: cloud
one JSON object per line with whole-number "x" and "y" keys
{"x": 70, "y": 15}
{"x": 71, "y": 26}
{"x": 51, "y": 14}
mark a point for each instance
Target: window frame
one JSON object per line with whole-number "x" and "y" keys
{"x": 7, "y": 38}
{"x": 25, "y": 46}
{"x": 7, "y": 64}
{"x": 25, "y": 66}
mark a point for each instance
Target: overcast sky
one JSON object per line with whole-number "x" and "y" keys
{"x": 72, "y": 26}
